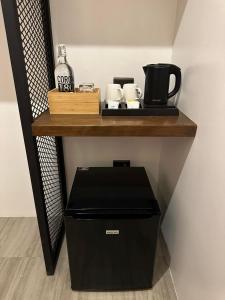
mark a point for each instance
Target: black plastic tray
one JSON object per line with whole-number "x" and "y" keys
{"x": 156, "y": 110}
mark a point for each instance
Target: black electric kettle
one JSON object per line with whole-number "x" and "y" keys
{"x": 157, "y": 82}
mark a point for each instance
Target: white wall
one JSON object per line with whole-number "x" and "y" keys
{"x": 15, "y": 189}
{"x": 194, "y": 225}
{"x": 102, "y": 151}
{"x": 113, "y": 38}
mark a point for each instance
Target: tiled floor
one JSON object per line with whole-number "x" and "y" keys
{"x": 23, "y": 277}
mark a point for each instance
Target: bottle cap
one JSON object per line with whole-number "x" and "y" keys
{"x": 61, "y": 50}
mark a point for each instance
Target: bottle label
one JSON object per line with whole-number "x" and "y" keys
{"x": 65, "y": 83}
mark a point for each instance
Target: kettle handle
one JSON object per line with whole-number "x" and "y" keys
{"x": 177, "y": 72}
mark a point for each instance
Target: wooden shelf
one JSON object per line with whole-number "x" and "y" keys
{"x": 96, "y": 125}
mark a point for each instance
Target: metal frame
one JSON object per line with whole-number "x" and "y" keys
{"x": 12, "y": 25}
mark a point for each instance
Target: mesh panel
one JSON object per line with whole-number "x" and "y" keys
{"x": 32, "y": 20}
{"x": 51, "y": 184}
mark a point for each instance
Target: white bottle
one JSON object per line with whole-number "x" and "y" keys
{"x": 64, "y": 78}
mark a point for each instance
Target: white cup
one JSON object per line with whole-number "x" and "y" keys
{"x": 114, "y": 92}
{"x": 133, "y": 104}
{"x": 131, "y": 92}
{"x": 112, "y": 104}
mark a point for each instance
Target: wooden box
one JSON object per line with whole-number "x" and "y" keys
{"x": 74, "y": 103}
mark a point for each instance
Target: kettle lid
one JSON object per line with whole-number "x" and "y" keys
{"x": 159, "y": 66}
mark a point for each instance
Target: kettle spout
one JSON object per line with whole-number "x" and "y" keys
{"x": 145, "y": 69}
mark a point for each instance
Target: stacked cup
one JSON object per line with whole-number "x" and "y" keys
{"x": 130, "y": 94}
{"x": 114, "y": 95}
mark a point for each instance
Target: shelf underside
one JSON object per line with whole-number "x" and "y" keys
{"x": 96, "y": 125}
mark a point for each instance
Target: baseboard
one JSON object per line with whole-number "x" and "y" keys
{"x": 173, "y": 282}
{"x": 167, "y": 258}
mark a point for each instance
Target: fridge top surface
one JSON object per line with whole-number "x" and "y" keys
{"x": 111, "y": 190}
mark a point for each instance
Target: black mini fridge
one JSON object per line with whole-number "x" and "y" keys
{"x": 112, "y": 223}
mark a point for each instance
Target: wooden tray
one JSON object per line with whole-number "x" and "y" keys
{"x": 74, "y": 103}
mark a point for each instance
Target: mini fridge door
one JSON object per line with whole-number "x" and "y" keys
{"x": 112, "y": 254}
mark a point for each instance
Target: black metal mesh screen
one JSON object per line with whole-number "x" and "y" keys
{"x": 32, "y": 14}
{"x": 51, "y": 184}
